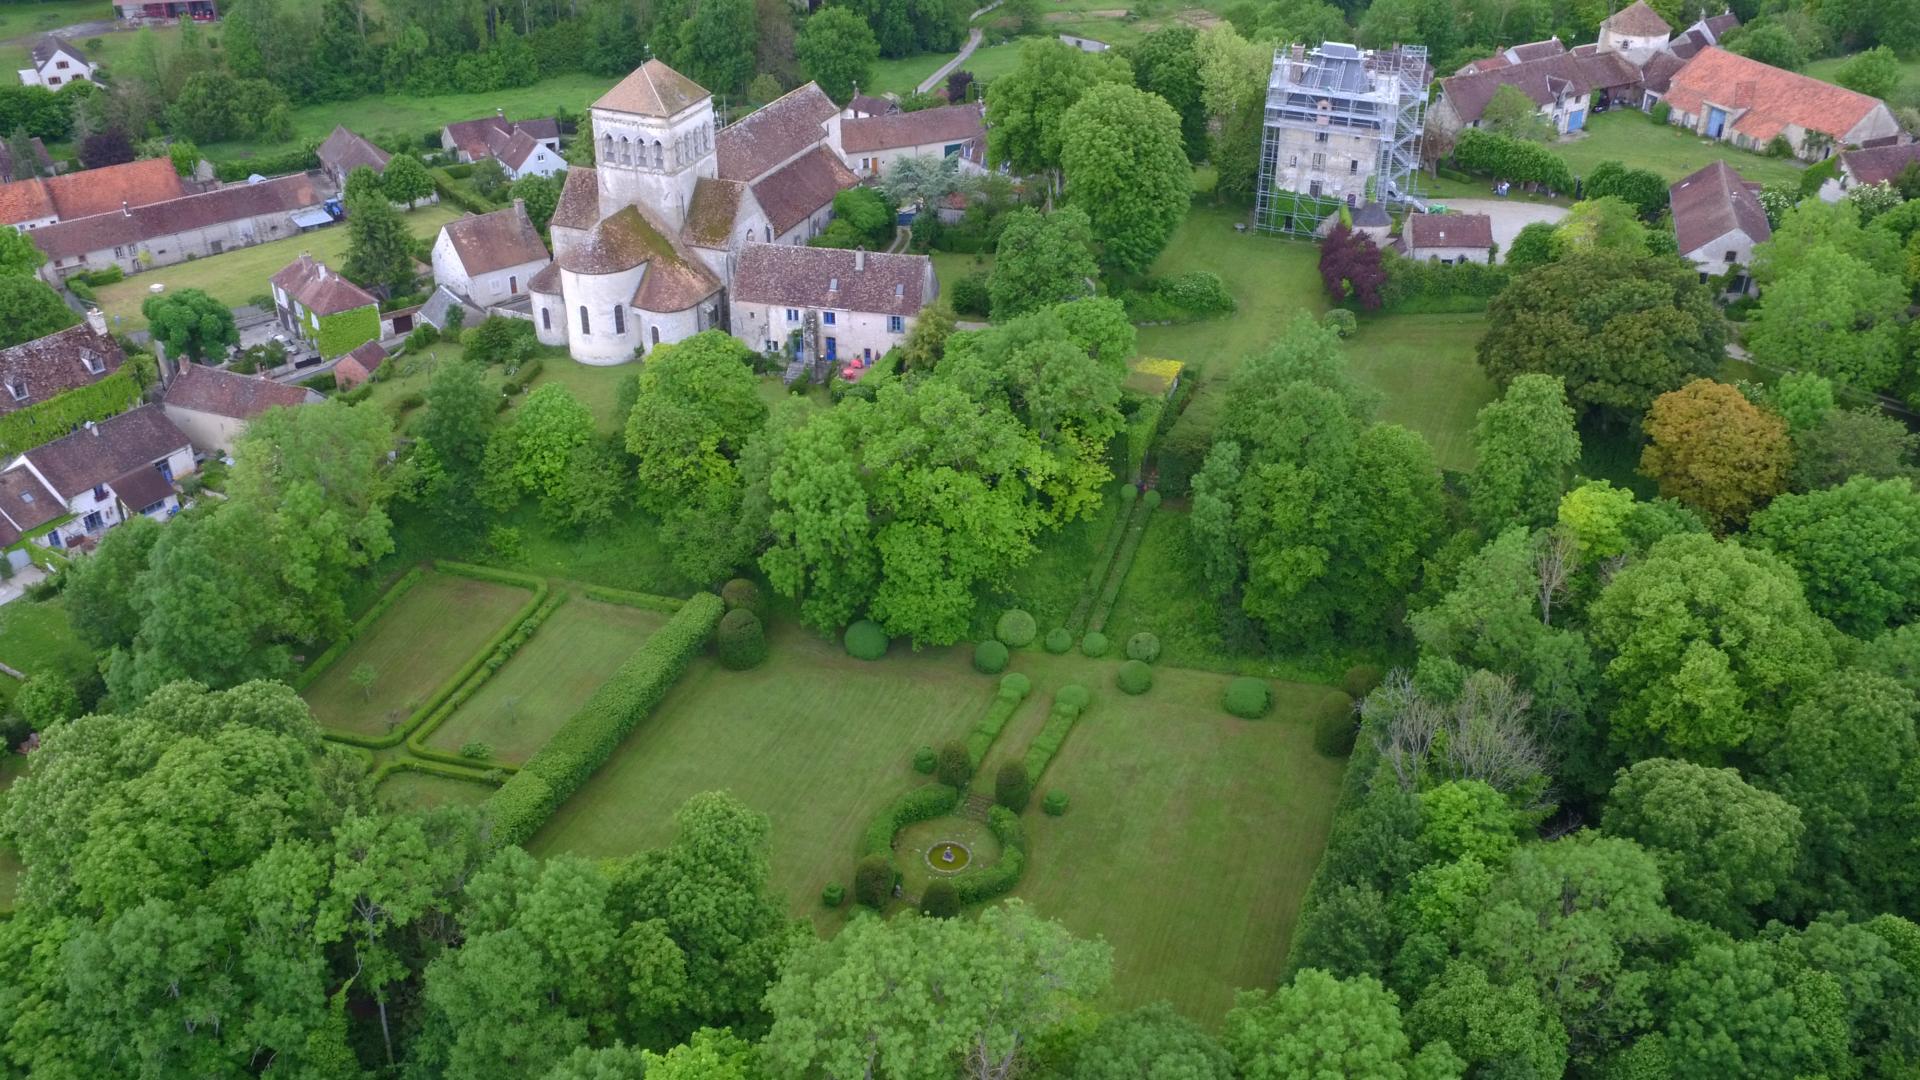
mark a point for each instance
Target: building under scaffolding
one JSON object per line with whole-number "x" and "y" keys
{"x": 1342, "y": 129}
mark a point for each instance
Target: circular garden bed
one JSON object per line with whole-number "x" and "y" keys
{"x": 921, "y": 848}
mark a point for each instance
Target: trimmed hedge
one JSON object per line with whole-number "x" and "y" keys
{"x": 1055, "y": 803}
{"x": 1012, "y": 787}
{"x": 740, "y": 641}
{"x": 590, "y": 736}
{"x": 1014, "y": 688}
{"x": 834, "y": 894}
{"x": 1360, "y": 680}
{"x": 1144, "y": 647}
{"x": 924, "y": 761}
{"x": 741, "y": 593}
{"x": 941, "y": 900}
{"x": 1123, "y": 559}
{"x": 647, "y": 601}
{"x": 953, "y": 765}
{"x": 865, "y": 640}
{"x": 1335, "y": 726}
{"x": 1058, "y": 640}
{"x": 1016, "y": 628}
{"x": 1134, "y": 677}
{"x": 1068, "y": 703}
{"x": 873, "y": 881}
{"x": 380, "y": 607}
{"x": 1015, "y": 683}
{"x": 923, "y": 803}
{"x": 1094, "y": 644}
{"x": 1247, "y": 698}
{"x": 1000, "y": 878}
{"x": 990, "y": 657}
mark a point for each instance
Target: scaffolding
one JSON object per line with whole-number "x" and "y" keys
{"x": 1342, "y": 129}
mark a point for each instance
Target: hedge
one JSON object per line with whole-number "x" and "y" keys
{"x": 1144, "y": 647}
{"x": 1134, "y": 677}
{"x": 1059, "y": 640}
{"x": 1016, "y": 628}
{"x": 1014, "y": 688}
{"x": 44, "y": 421}
{"x": 923, "y": 803}
{"x": 1116, "y": 534}
{"x": 1000, "y": 878}
{"x": 590, "y": 736}
{"x": 865, "y": 640}
{"x": 344, "y": 331}
{"x": 1123, "y": 561}
{"x": 1181, "y": 452}
{"x": 305, "y": 159}
{"x": 1068, "y": 704}
{"x": 990, "y": 657}
{"x": 741, "y": 593}
{"x": 1141, "y": 430}
{"x": 1094, "y": 644}
{"x": 648, "y": 601}
{"x": 1335, "y": 726}
{"x": 1247, "y": 698}
{"x": 459, "y": 196}
{"x": 740, "y": 641}
{"x": 1055, "y": 803}
{"x": 1506, "y": 158}
{"x": 1424, "y": 286}
{"x": 380, "y": 607}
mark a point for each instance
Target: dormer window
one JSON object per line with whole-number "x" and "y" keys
{"x": 26, "y": 496}
{"x": 93, "y": 363}
{"x": 833, "y": 285}
{"x": 18, "y": 388}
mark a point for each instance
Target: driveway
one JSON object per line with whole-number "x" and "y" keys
{"x": 1509, "y": 217}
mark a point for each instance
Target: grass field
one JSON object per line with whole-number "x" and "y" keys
{"x": 596, "y": 387}
{"x": 36, "y": 637}
{"x": 553, "y": 674}
{"x": 25, "y": 19}
{"x": 1630, "y": 136}
{"x": 237, "y": 276}
{"x": 903, "y": 75}
{"x": 1906, "y": 93}
{"x": 1272, "y": 280}
{"x": 949, "y": 267}
{"x": 415, "y": 647}
{"x": 1051, "y": 583}
{"x": 410, "y": 789}
{"x": 1425, "y": 367}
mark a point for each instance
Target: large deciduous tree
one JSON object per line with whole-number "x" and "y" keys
{"x": 1027, "y": 107}
{"x": 406, "y": 181}
{"x": 1167, "y": 63}
{"x": 1319, "y": 1023}
{"x": 836, "y": 49}
{"x": 1525, "y": 443}
{"x": 191, "y": 324}
{"x": 29, "y": 310}
{"x": 1711, "y": 448}
{"x": 1351, "y": 267}
{"x": 1121, "y": 151}
{"x": 1042, "y": 260}
{"x": 379, "y": 247}
{"x": 1833, "y": 314}
{"x": 1856, "y": 548}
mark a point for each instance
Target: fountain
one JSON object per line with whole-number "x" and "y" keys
{"x": 948, "y": 857}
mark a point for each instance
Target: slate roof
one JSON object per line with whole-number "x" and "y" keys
{"x": 91, "y": 191}
{"x": 320, "y": 290}
{"x": 67, "y": 239}
{"x": 579, "y": 205}
{"x": 140, "y": 487}
{"x": 487, "y": 242}
{"x": 793, "y": 193}
{"x": 1584, "y": 74}
{"x": 223, "y": 393}
{"x": 946, "y": 124}
{"x": 794, "y": 276}
{"x": 1712, "y": 203}
{"x": 1447, "y": 231}
{"x": 44, "y": 49}
{"x": 27, "y": 504}
{"x": 344, "y": 151}
{"x": 773, "y": 134}
{"x": 1879, "y": 164}
{"x": 435, "y": 310}
{"x": 49, "y": 366}
{"x": 714, "y": 209}
{"x": 1772, "y": 99}
{"x": 653, "y": 89}
{"x": 107, "y": 450}
{"x": 1637, "y": 19}
{"x": 1371, "y": 216}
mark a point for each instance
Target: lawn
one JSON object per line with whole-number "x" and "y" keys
{"x": 26, "y": 19}
{"x": 1630, "y": 136}
{"x": 36, "y": 637}
{"x": 420, "y": 643}
{"x": 411, "y": 789}
{"x": 1906, "y": 93}
{"x": 1273, "y": 280}
{"x": 553, "y": 674}
{"x": 1427, "y": 370}
{"x": 1051, "y": 582}
{"x": 626, "y": 554}
{"x": 598, "y": 388}
{"x": 902, "y": 76}
{"x": 238, "y": 276}
{"x": 949, "y": 267}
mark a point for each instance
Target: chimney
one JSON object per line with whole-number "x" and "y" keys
{"x": 859, "y": 259}
{"x": 125, "y": 209}
{"x": 520, "y": 208}
{"x": 96, "y": 321}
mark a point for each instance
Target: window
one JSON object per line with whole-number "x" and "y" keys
{"x": 656, "y": 335}
{"x": 1293, "y": 161}
{"x": 92, "y": 522}
{"x": 119, "y": 253}
{"x": 546, "y": 318}
{"x": 1353, "y": 167}
{"x": 793, "y": 315}
{"x": 95, "y": 365}
{"x": 513, "y": 284}
{"x": 18, "y": 388}
{"x": 1319, "y": 162}
{"x": 896, "y": 324}
{"x": 585, "y": 326}
{"x": 62, "y": 65}
{"x": 827, "y": 317}
{"x": 1731, "y": 257}
{"x": 1313, "y": 189}
{"x": 1319, "y": 136}
{"x": 619, "y": 320}
{"x": 99, "y": 493}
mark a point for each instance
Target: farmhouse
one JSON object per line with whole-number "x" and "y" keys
{"x": 489, "y": 259}
{"x": 489, "y": 136}
{"x": 1724, "y": 95}
{"x": 56, "y": 62}
{"x": 872, "y": 143}
{"x": 101, "y": 475}
{"x": 1450, "y": 238}
{"x": 1717, "y": 220}
{"x": 359, "y": 365}
{"x": 36, "y": 203}
{"x": 322, "y": 307}
{"x": 1562, "y": 86}
{"x": 1518, "y": 54}
{"x": 213, "y": 407}
{"x": 344, "y": 151}
{"x": 846, "y": 305}
{"x": 1873, "y": 165}
{"x": 524, "y": 155}
{"x": 44, "y": 368}
{"x": 136, "y": 238}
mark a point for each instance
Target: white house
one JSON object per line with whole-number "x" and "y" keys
{"x": 846, "y": 305}
{"x": 213, "y": 407}
{"x": 1717, "y": 220}
{"x": 869, "y": 144}
{"x": 524, "y": 155}
{"x": 56, "y": 62}
{"x": 1873, "y": 165}
{"x": 490, "y": 259}
{"x": 487, "y": 137}
{"x": 100, "y": 475}
{"x": 1450, "y": 238}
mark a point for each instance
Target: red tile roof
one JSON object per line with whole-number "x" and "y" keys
{"x": 320, "y": 290}
{"x": 653, "y": 89}
{"x": 495, "y": 241}
{"x": 90, "y": 191}
{"x": 1448, "y": 231}
{"x": 199, "y": 388}
{"x": 1880, "y": 163}
{"x": 67, "y": 239}
{"x": 1712, "y": 203}
{"x": 774, "y": 134}
{"x": 800, "y": 189}
{"x": 345, "y": 151}
{"x": 1770, "y": 98}
{"x": 927, "y": 127}
{"x": 26, "y": 502}
{"x": 140, "y": 487}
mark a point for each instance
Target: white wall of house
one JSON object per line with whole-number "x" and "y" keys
{"x": 1722, "y": 253}
{"x": 178, "y": 247}
{"x": 498, "y": 286}
{"x": 210, "y": 433}
{"x": 61, "y": 68}
{"x": 542, "y": 162}
{"x": 1877, "y": 124}
{"x": 870, "y": 163}
{"x": 1453, "y": 255}
{"x": 448, "y": 270}
{"x": 856, "y": 334}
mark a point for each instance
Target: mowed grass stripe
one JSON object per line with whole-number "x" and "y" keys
{"x": 413, "y": 648}
{"x": 411, "y": 789}
{"x": 517, "y": 710}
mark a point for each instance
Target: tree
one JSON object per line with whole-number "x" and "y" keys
{"x": 30, "y": 310}
{"x": 18, "y": 256}
{"x": 1154, "y": 1041}
{"x": 1498, "y": 1029}
{"x": 926, "y": 343}
{"x": 1512, "y": 113}
{"x": 1855, "y": 548}
{"x": 1027, "y": 109}
{"x": 455, "y": 428}
{"x": 1595, "y": 225}
{"x": 1835, "y": 315}
{"x": 697, "y": 408}
{"x": 489, "y": 179}
{"x": 45, "y": 699}
{"x": 1642, "y": 189}
{"x": 1723, "y": 846}
{"x": 836, "y": 49}
{"x": 190, "y": 323}
{"x": 1167, "y": 63}
{"x": 1814, "y": 224}
{"x": 1041, "y": 260}
{"x": 1619, "y": 330}
{"x": 362, "y": 181}
{"x": 1322, "y": 1024}
{"x": 406, "y": 181}
{"x": 1524, "y": 444}
{"x": 546, "y": 431}
{"x": 109, "y": 147}
{"x": 1874, "y": 72}
{"x": 1532, "y": 247}
{"x": 1709, "y": 447}
{"x": 1120, "y": 150}
{"x": 364, "y": 676}
{"x": 379, "y": 247}
{"x": 714, "y": 43}
{"x": 1703, "y": 639}
{"x": 1734, "y": 1009}
{"x": 1350, "y": 266}
{"x": 1851, "y": 442}
{"x": 591, "y": 489}
{"x": 1769, "y": 42}
{"x": 100, "y": 589}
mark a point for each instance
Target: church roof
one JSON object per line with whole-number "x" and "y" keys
{"x": 774, "y": 134}
{"x": 715, "y": 207}
{"x": 628, "y": 238}
{"x": 653, "y": 89}
{"x": 796, "y": 191}
{"x": 579, "y": 205}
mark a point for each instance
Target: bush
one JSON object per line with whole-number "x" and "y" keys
{"x": 1661, "y": 112}
{"x": 1058, "y": 640}
{"x": 476, "y": 750}
{"x": 1151, "y": 499}
{"x": 924, "y": 760}
{"x": 1128, "y": 494}
{"x": 990, "y": 657}
{"x": 1135, "y": 677}
{"x": 1016, "y": 628}
{"x": 1012, "y": 787}
{"x": 741, "y": 642}
{"x": 1094, "y": 644}
{"x": 741, "y": 593}
{"x": 941, "y": 900}
{"x": 924, "y": 803}
{"x": 1335, "y": 726}
{"x": 1074, "y": 696}
{"x": 866, "y": 641}
{"x": 1143, "y": 646}
{"x": 955, "y": 768}
{"x": 873, "y": 881}
{"x": 1360, "y": 680}
{"x": 1000, "y": 878}
{"x": 970, "y": 296}
{"x": 1340, "y": 321}
{"x": 1247, "y": 698}
{"x": 833, "y": 894}
{"x": 1055, "y": 803}
{"x": 1015, "y": 685}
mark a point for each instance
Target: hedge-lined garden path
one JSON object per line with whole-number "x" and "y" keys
{"x": 1123, "y": 527}
{"x": 1011, "y": 745}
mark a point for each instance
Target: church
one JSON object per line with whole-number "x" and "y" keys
{"x": 649, "y": 246}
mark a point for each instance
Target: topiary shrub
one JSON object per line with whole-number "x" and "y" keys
{"x": 1151, "y": 499}
{"x": 1144, "y": 647}
{"x": 1340, "y": 321}
{"x": 1135, "y": 677}
{"x": 740, "y": 641}
{"x": 1360, "y": 680}
{"x": 1073, "y": 696}
{"x": 866, "y": 641}
{"x": 1335, "y": 726}
{"x": 955, "y": 765}
{"x": 1012, "y": 787}
{"x": 1094, "y": 644}
{"x": 833, "y": 894}
{"x": 873, "y": 881}
{"x": 925, "y": 760}
{"x": 1055, "y": 803}
{"x": 1015, "y": 685}
{"x": 1129, "y": 493}
{"x": 1058, "y": 640}
{"x": 741, "y": 593}
{"x": 940, "y": 900}
{"x": 1016, "y": 628}
{"x": 990, "y": 657}
{"x": 1247, "y": 698}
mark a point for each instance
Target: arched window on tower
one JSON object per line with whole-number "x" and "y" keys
{"x": 619, "y": 320}
{"x": 659, "y": 155}
{"x": 656, "y": 336}
{"x": 585, "y": 326}
{"x": 626, "y": 151}
{"x": 606, "y": 148}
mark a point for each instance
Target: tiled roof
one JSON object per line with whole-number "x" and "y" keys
{"x": 489, "y": 136}
{"x": 1536, "y": 50}
{"x": 44, "y": 49}
{"x": 487, "y": 242}
{"x": 320, "y": 290}
{"x": 1448, "y": 231}
{"x": 1485, "y": 63}
{"x": 140, "y": 487}
{"x": 368, "y": 355}
{"x": 25, "y": 200}
{"x": 672, "y": 281}
{"x": 773, "y": 134}
{"x": 714, "y": 209}
{"x": 98, "y": 453}
{"x": 517, "y": 149}
{"x": 653, "y": 89}
{"x": 1658, "y": 75}
{"x": 1881, "y": 163}
{"x": 539, "y": 127}
{"x": 795, "y": 276}
{"x": 1371, "y": 215}
{"x": 1585, "y": 74}
{"x": 90, "y": 191}
{"x": 67, "y": 239}
{"x": 1637, "y": 19}
{"x": 546, "y": 281}
{"x": 579, "y": 205}
{"x": 49, "y": 366}
{"x": 1771, "y": 99}
{"x": 223, "y": 393}
{"x": 946, "y": 124}
{"x": 1712, "y": 203}
{"x": 344, "y": 151}
{"x": 868, "y": 105}
{"x": 26, "y": 502}
{"x": 800, "y": 189}
{"x": 1719, "y": 24}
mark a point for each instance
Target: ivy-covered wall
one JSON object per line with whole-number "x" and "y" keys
{"x": 46, "y": 421}
{"x": 336, "y": 335}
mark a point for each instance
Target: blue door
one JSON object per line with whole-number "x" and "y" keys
{"x": 833, "y": 349}
{"x": 1716, "y": 122}
{"x": 1577, "y": 121}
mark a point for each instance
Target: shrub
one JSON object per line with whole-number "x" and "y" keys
{"x": 1094, "y": 644}
{"x": 476, "y": 750}
{"x": 955, "y": 767}
{"x": 873, "y": 881}
{"x": 1151, "y": 499}
{"x": 1073, "y": 696}
{"x": 1661, "y": 112}
{"x": 1129, "y": 493}
{"x": 741, "y": 593}
{"x": 1015, "y": 685}
{"x": 924, "y": 760}
{"x": 741, "y": 642}
{"x": 1016, "y": 628}
{"x": 990, "y": 657}
{"x": 1247, "y": 698}
{"x": 1335, "y": 726}
{"x": 1000, "y": 878}
{"x": 833, "y": 894}
{"x": 1340, "y": 321}
{"x": 1144, "y": 647}
{"x": 971, "y": 296}
{"x": 1135, "y": 677}
{"x": 924, "y": 803}
{"x": 1360, "y": 680}
{"x": 866, "y": 641}
{"x": 941, "y": 900}
{"x": 1012, "y": 787}
{"x": 1055, "y": 803}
